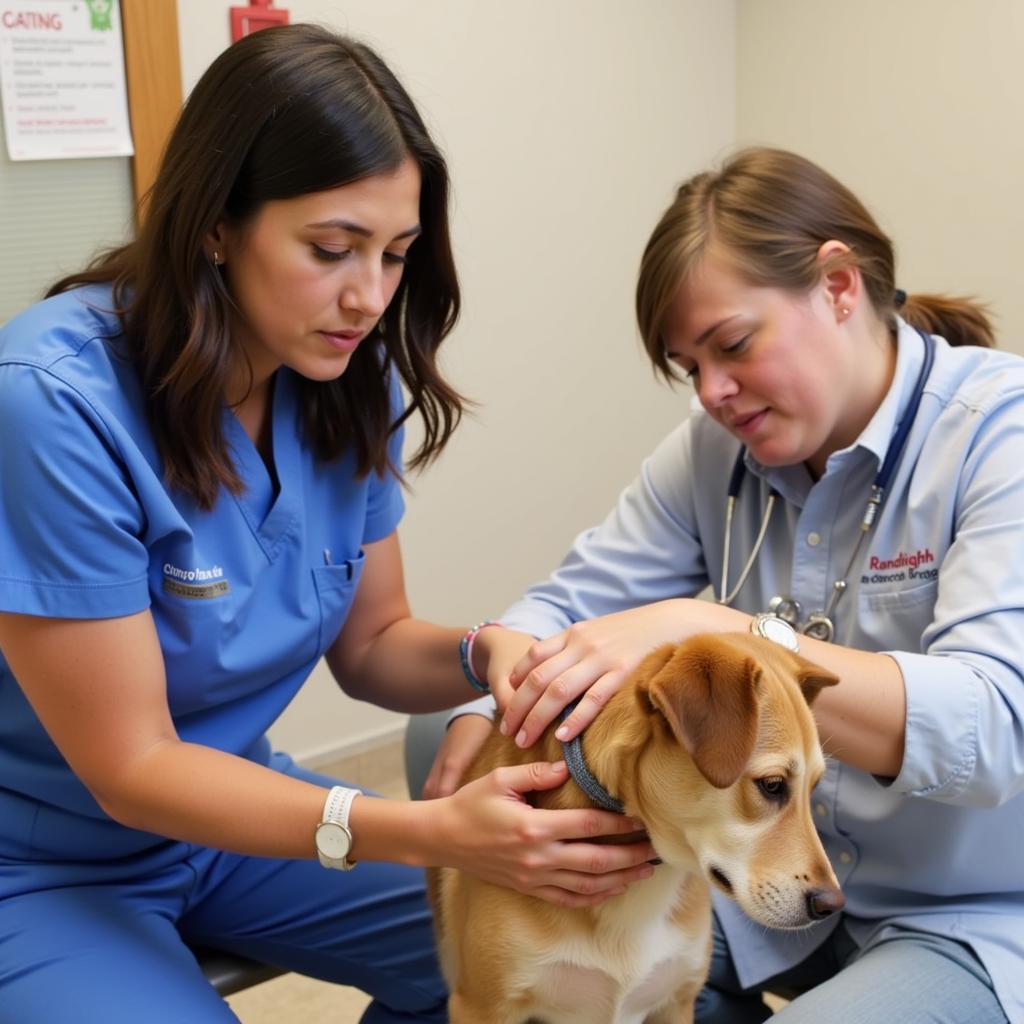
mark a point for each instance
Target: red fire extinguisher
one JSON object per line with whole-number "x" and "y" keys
{"x": 246, "y": 20}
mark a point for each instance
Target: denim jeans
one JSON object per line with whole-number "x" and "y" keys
{"x": 906, "y": 978}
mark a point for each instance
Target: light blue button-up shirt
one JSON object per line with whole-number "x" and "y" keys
{"x": 939, "y": 587}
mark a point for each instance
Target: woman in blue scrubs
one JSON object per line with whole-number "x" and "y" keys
{"x": 199, "y": 494}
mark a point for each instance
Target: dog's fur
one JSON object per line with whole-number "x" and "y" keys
{"x": 712, "y": 746}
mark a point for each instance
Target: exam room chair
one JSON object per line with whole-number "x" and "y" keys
{"x": 229, "y": 973}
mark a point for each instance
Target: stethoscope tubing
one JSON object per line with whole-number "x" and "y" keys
{"x": 879, "y": 488}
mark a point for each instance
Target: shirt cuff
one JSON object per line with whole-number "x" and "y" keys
{"x": 74, "y": 600}
{"x": 484, "y": 706}
{"x": 941, "y": 733}
{"x": 538, "y": 618}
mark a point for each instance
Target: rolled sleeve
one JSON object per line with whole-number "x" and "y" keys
{"x": 942, "y": 716}
{"x": 483, "y": 706}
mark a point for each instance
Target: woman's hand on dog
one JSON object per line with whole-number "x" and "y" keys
{"x": 488, "y": 829}
{"x": 495, "y": 652}
{"x": 592, "y": 659}
{"x": 462, "y": 742}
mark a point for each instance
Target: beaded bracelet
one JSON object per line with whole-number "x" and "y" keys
{"x": 466, "y": 655}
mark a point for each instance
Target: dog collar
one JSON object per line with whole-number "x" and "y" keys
{"x": 582, "y": 775}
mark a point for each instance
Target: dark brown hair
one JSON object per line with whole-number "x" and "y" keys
{"x": 284, "y": 112}
{"x": 770, "y": 211}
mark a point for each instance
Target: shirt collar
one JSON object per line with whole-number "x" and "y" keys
{"x": 876, "y": 436}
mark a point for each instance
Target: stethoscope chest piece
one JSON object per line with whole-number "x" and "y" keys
{"x": 786, "y": 608}
{"x": 819, "y": 626}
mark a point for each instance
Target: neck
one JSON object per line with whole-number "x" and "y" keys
{"x": 253, "y": 411}
{"x": 874, "y": 348}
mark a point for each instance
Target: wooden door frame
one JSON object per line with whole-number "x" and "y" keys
{"x": 153, "y": 70}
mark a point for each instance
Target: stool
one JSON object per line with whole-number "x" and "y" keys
{"x": 229, "y": 973}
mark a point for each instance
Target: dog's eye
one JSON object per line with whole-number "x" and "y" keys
{"x": 774, "y": 787}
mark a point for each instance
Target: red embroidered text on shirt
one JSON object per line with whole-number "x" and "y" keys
{"x": 902, "y": 560}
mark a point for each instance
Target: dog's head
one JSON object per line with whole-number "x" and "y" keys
{"x": 728, "y": 772}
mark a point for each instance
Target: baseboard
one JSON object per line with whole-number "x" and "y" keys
{"x": 352, "y": 746}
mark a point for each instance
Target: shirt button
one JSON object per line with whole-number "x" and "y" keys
{"x": 814, "y": 539}
{"x": 845, "y": 858}
{"x": 821, "y": 810}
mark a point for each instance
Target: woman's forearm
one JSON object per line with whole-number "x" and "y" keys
{"x": 411, "y": 666}
{"x": 862, "y": 721}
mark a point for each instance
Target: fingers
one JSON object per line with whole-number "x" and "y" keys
{"x": 524, "y": 778}
{"x": 556, "y": 682}
{"x": 502, "y": 693}
{"x": 574, "y": 824}
{"x": 538, "y": 652}
{"x": 534, "y": 707}
{"x": 589, "y": 823}
{"x": 582, "y": 891}
{"x": 545, "y": 852}
{"x": 444, "y": 778}
{"x": 590, "y": 704}
{"x": 461, "y": 744}
{"x": 565, "y": 898}
{"x": 595, "y": 873}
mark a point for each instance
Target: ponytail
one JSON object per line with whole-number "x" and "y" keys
{"x": 961, "y": 321}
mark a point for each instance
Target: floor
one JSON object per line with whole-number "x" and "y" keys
{"x": 292, "y": 999}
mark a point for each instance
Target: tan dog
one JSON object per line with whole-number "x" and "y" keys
{"x": 711, "y": 744}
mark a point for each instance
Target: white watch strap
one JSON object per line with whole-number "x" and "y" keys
{"x": 336, "y": 811}
{"x": 338, "y": 804}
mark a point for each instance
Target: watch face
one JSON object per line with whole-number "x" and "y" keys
{"x": 777, "y": 630}
{"x": 333, "y": 840}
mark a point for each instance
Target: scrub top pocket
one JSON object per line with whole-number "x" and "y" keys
{"x": 335, "y": 588}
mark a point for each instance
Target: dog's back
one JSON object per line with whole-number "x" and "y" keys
{"x": 711, "y": 744}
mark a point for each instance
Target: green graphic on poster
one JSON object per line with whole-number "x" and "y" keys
{"x": 99, "y": 14}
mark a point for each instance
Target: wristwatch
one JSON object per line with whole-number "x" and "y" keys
{"x": 333, "y": 836}
{"x": 776, "y": 629}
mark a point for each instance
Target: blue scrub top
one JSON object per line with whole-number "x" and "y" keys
{"x": 245, "y": 598}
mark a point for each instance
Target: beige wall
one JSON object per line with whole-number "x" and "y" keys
{"x": 918, "y": 105}
{"x": 567, "y": 125}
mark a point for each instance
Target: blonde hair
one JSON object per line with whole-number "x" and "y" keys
{"x": 770, "y": 211}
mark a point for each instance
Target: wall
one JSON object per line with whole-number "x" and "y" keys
{"x": 918, "y": 107}
{"x": 54, "y": 214}
{"x": 567, "y": 125}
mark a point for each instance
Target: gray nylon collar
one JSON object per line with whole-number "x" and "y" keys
{"x": 582, "y": 775}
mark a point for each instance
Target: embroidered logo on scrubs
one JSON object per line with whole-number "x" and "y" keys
{"x": 905, "y": 565}
{"x": 195, "y": 583}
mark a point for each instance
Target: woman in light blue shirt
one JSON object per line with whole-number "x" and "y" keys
{"x": 822, "y": 391}
{"x": 200, "y": 459}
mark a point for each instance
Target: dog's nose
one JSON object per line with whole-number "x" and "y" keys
{"x": 823, "y": 902}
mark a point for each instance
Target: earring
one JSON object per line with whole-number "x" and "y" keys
{"x": 217, "y": 259}
{"x": 845, "y": 312}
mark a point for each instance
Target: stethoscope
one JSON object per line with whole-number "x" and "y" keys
{"x": 819, "y": 624}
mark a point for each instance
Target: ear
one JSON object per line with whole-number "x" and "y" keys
{"x": 707, "y": 693}
{"x": 217, "y": 241}
{"x": 813, "y": 678}
{"x": 840, "y": 277}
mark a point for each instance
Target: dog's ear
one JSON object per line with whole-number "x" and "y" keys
{"x": 813, "y": 678}
{"x": 708, "y": 692}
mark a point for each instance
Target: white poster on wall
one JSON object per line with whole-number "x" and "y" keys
{"x": 62, "y": 81}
